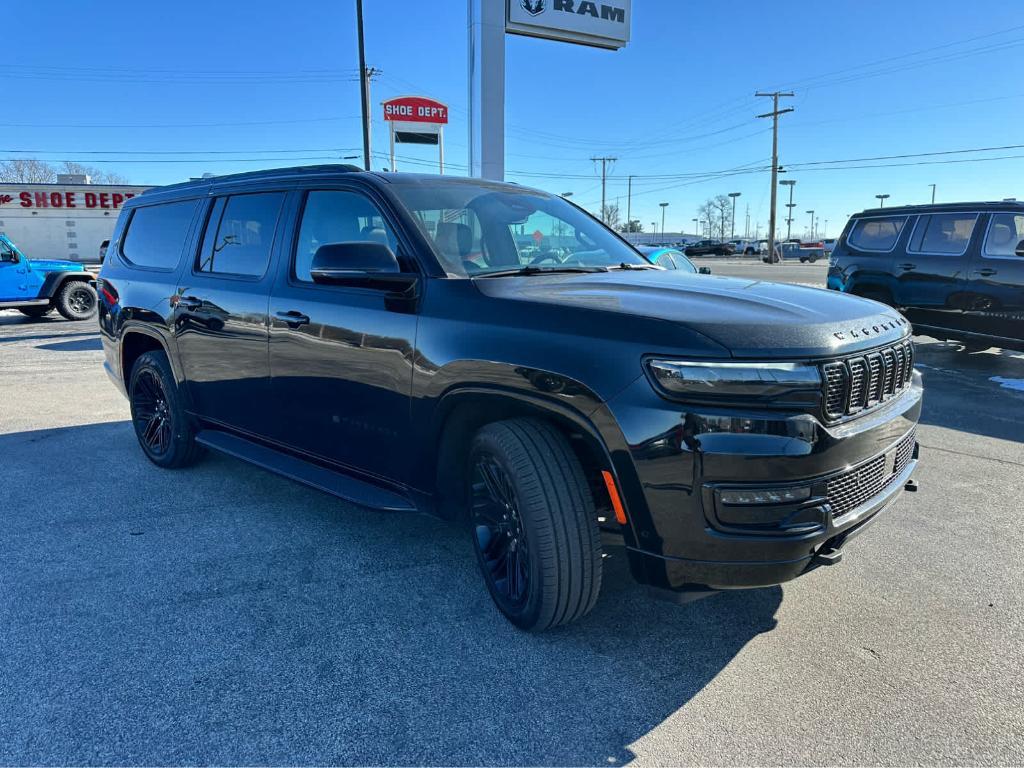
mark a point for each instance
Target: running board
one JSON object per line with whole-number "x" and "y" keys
{"x": 334, "y": 483}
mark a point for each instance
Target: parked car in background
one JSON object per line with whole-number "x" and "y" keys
{"x": 671, "y": 258}
{"x": 710, "y": 248}
{"x": 829, "y": 244}
{"x": 36, "y": 287}
{"x": 955, "y": 269}
{"x": 795, "y": 251}
{"x": 382, "y": 338}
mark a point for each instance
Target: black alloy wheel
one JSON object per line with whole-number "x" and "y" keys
{"x": 498, "y": 532}
{"x": 151, "y": 414}
{"x": 76, "y": 300}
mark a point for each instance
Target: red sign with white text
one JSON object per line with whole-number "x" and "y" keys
{"x": 67, "y": 199}
{"x": 415, "y": 109}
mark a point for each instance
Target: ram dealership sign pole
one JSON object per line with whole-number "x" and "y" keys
{"x": 597, "y": 24}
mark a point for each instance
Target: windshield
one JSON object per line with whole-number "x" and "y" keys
{"x": 478, "y": 229}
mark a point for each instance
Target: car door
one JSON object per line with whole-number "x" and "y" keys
{"x": 341, "y": 358}
{"x": 931, "y": 272}
{"x": 220, "y": 313}
{"x": 18, "y": 281}
{"x": 995, "y": 304}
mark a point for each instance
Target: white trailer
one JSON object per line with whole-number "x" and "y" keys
{"x": 61, "y": 221}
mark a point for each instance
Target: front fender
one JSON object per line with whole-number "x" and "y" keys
{"x": 53, "y": 281}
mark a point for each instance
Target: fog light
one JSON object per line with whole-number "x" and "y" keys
{"x": 766, "y": 496}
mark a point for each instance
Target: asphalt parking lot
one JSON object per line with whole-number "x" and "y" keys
{"x": 222, "y": 615}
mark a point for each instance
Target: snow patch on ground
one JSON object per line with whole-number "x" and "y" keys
{"x": 1017, "y": 384}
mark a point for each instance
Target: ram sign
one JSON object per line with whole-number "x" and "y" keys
{"x": 600, "y": 24}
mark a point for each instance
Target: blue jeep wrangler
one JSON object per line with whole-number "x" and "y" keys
{"x": 37, "y": 287}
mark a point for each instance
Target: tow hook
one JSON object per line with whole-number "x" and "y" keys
{"x": 910, "y": 486}
{"x": 830, "y": 556}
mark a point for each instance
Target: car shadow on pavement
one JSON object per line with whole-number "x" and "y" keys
{"x": 75, "y": 345}
{"x": 223, "y": 615}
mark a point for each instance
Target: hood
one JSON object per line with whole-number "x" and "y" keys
{"x": 751, "y": 318}
{"x": 55, "y": 265}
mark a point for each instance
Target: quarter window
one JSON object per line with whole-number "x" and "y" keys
{"x": 943, "y": 233}
{"x": 337, "y": 217}
{"x": 877, "y": 234}
{"x": 1005, "y": 232}
{"x": 240, "y": 234}
{"x": 156, "y": 234}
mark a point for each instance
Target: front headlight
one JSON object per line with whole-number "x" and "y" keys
{"x": 753, "y": 379}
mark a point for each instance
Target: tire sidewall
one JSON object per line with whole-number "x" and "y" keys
{"x": 64, "y": 300}
{"x": 525, "y": 615}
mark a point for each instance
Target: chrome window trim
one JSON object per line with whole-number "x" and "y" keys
{"x": 967, "y": 243}
{"x": 988, "y": 229}
{"x": 904, "y": 216}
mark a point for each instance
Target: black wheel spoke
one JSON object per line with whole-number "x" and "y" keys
{"x": 499, "y": 537}
{"x": 151, "y": 413}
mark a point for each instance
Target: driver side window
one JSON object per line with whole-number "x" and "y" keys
{"x": 7, "y": 254}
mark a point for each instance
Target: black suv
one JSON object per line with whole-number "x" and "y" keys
{"x": 710, "y": 248}
{"x": 956, "y": 269}
{"x": 495, "y": 355}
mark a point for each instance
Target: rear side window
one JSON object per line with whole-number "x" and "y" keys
{"x": 240, "y": 234}
{"x": 1005, "y": 232}
{"x": 156, "y": 235}
{"x": 943, "y": 233}
{"x": 877, "y": 234}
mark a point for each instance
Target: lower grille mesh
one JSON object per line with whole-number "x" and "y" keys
{"x": 848, "y": 491}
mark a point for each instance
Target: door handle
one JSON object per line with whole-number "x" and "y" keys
{"x": 190, "y": 303}
{"x": 986, "y": 271}
{"x": 293, "y": 318}
{"x": 907, "y": 267}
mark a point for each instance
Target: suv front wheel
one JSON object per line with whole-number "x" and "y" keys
{"x": 533, "y": 524}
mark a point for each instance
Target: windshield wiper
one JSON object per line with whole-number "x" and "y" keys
{"x": 627, "y": 265}
{"x": 531, "y": 269}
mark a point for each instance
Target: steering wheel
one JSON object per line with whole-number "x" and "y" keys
{"x": 546, "y": 256}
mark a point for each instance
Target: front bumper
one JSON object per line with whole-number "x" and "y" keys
{"x": 682, "y": 537}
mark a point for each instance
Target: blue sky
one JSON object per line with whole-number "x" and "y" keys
{"x": 218, "y": 82}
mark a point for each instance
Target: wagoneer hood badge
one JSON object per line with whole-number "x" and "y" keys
{"x": 875, "y": 329}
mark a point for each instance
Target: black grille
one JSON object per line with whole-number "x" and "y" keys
{"x": 848, "y": 491}
{"x": 862, "y": 382}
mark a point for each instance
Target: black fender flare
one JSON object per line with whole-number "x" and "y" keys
{"x": 54, "y": 281}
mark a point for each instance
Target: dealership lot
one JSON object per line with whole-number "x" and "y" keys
{"x": 225, "y": 615}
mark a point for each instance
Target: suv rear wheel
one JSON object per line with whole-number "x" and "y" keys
{"x": 533, "y": 524}
{"x": 76, "y": 300}
{"x": 158, "y": 414}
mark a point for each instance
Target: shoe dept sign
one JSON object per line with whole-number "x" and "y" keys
{"x": 598, "y": 24}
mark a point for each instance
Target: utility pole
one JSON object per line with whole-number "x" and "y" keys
{"x": 789, "y": 213}
{"x": 364, "y": 86}
{"x": 774, "y": 115}
{"x": 933, "y": 193}
{"x": 746, "y": 228}
{"x": 732, "y": 225}
{"x": 629, "y": 204}
{"x": 605, "y": 161}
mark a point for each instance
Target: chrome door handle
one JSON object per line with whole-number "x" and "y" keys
{"x": 293, "y": 318}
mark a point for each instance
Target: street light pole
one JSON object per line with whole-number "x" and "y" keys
{"x": 629, "y": 204}
{"x": 881, "y": 200}
{"x": 933, "y": 193}
{"x": 696, "y": 227}
{"x": 654, "y": 230}
{"x": 663, "y": 207}
{"x": 789, "y": 214}
{"x": 812, "y": 223}
{"x": 732, "y": 226}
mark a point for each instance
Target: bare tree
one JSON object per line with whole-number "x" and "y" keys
{"x": 95, "y": 174}
{"x": 715, "y": 211}
{"x": 27, "y": 171}
{"x": 610, "y": 216}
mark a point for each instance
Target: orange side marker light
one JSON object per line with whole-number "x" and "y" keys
{"x": 613, "y": 494}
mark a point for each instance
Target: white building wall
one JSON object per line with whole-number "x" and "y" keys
{"x": 61, "y": 221}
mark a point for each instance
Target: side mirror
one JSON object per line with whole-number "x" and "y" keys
{"x": 359, "y": 265}
{"x": 1020, "y": 248}
{"x": 705, "y": 270}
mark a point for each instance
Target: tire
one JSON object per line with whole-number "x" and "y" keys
{"x": 533, "y": 524}
{"x": 803, "y": 260}
{"x": 36, "y": 311}
{"x": 76, "y": 300}
{"x": 162, "y": 427}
